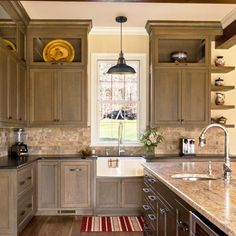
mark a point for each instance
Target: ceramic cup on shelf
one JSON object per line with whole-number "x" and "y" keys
{"x": 219, "y": 82}
{"x": 220, "y": 99}
{"x": 219, "y": 61}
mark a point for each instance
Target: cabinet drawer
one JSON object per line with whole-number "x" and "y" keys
{"x": 150, "y": 220}
{"x": 25, "y": 179}
{"x": 150, "y": 181}
{"x": 25, "y": 207}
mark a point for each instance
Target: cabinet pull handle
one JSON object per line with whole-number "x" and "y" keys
{"x": 22, "y": 213}
{"x": 152, "y": 181}
{"x": 77, "y": 169}
{"x": 29, "y": 205}
{"x": 10, "y": 117}
{"x": 182, "y": 226}
{"x": 22, "y": 182}
{"x": 29, "y": 178}
{"x": 146, "y": 207}
{"x": 152, "y": 198}
{"x": 146, "y": 190}
{"x": 163, "y": 211}
{"x": 152, "y": 217}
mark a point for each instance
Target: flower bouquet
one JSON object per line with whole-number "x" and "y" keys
{"x": 151, "y": 138}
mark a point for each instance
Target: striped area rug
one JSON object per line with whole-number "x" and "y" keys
{"x": 112, "y": 224}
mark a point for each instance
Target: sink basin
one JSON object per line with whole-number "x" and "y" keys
{"x": 195, "y": 177}
{"x": 119, "y": 166}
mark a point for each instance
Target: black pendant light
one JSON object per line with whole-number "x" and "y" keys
{"x": 121, "y": 67}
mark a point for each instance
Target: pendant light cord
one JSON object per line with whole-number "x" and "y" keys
{"x": 121, "y": 36}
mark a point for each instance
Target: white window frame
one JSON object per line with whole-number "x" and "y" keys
{"x": 95, "y": 57}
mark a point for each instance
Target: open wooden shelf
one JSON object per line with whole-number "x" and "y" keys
{"x": 221, "y": 69}
{"x": 222, "y": 107}
{"x": 229, "y": 126}
{"x": 222, "y": 88}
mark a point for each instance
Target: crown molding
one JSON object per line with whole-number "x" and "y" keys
{"x": 116, "y": 31}
{"x": 229, "y": 18}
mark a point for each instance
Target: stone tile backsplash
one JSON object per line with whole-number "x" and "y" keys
{"x": 57, "y": 140}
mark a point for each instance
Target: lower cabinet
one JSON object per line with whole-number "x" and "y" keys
{"x": 65, "y": 187}
{"x": 166, "y": 214}
{"x": 119, "y": 195}
{"x": 48, "y": 175}
{"x": 75, "y": 184}
{"x": 18, "y": 198}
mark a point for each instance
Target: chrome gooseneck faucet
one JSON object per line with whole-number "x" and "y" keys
{"x": 120, "y": 138}
{"x": 202, "y": 141}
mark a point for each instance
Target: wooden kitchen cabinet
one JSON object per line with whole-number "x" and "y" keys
{"x": 48, "y": 185}
{"x": 3, "y": 86}
{"x": 180, "y": 91}
{"x": 17, "y": 205}
{"x": 58, "y": 97}
{"x": 181, "y": 97}
{"x": 119, "y": 195}
{"x": 13, "y": 89}
{"x": 75, "y": 184}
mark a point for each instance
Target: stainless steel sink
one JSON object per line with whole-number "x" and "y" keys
{"x": 195, "y": 177}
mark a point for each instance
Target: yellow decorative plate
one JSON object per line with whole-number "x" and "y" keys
{"x": 58, "y": 50}
{"x": 9, "y": 45}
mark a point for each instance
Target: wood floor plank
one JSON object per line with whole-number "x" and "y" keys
{"x": 64, "y": 226}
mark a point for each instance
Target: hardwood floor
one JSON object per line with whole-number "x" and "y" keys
{"x": 63, "y": 226}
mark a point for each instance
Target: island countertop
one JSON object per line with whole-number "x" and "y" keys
{"x": 214, "y": 199}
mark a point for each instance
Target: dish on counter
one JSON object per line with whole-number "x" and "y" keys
{"x": 58, "y": 50}
{"x": 10, "y": 45}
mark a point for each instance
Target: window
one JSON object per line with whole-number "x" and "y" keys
{"x": 116, "y": 99}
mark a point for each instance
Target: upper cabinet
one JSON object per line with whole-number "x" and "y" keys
{"x": 12, "y": 64}
{"x": 180, "y": 65}
{"x": 58, "y": 42}
{"x": 58, "y": 72}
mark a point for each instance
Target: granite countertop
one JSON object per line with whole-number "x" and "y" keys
{"x": 7, "y": 162}
{"x": 215, "y": 199}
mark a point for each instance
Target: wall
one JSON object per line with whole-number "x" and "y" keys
{"x": 71, "y": 140}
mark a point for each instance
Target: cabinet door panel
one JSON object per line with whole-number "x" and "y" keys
{"x": 22, "y": 93}
{"x": 42, "y": 94}
{"x": 71, "y": 96}
{"x": 108, "y": 193}
{"x": 75, "y": 184}
{"x": 3, "y": 86}
{"x": 48, "y": 184}
{"x": 12, "y": 88}
{"x": 132, "y": 192}
{"x": 166, "y": 95}
{"x": 195, "y": 96}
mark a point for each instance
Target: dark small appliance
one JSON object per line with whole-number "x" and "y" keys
{"x": 19, "y": 149}
{"x": 187, "y": 146}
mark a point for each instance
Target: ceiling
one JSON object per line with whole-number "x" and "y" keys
{"x": 103, "y": 13}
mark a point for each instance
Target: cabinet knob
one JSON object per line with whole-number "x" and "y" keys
{"x": 10, "y": 117}
{"x": 152, "y": 217}
{"x": 152, "y": 197}
{"x": 146, "y": 190}
{"x": 182, "y": 226}
{"x": 22, "y": 213}
{"x": 20, "y": 119}
{"x": 163, "y": 211}
{"x": 146, "y": 207}
{"x": 22, "y": 183}
{"x": 152, "y": 180}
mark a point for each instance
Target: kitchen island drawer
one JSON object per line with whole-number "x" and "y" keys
{"x": 25, "y": 207}
{"x": 25, "y": 178}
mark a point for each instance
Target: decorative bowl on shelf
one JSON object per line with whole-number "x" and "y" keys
{"x": 58, "y": 50}
{"x": 179, "y": 56}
